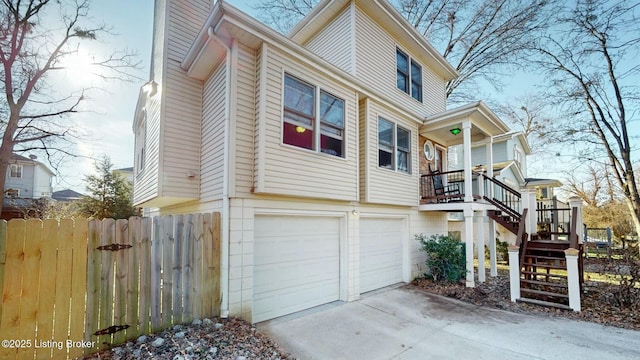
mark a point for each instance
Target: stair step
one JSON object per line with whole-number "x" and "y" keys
{"x": 545, "y": 293}
{"x": 544, "y": 274}
{"x": 541, "y": 257}
{"x": 545, "y": 266}
{"x": 545, "y": 283}
{"x": 544, "y": 303}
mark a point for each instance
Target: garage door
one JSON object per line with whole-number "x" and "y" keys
{"x": 296, "y": 264}
{"x": 380, "y": 253}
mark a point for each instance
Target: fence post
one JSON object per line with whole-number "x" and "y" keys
{"x": 576, "y": 202}
{"x": 514, "y": 272}
{"x": 573, "y": 278}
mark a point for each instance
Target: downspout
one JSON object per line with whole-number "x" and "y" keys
{"x": 224, "y": 227}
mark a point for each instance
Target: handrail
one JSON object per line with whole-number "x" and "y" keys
{"x": 522, "y": 237}
{"x": 504, "y": 186}
{"x": 573, "y": 235}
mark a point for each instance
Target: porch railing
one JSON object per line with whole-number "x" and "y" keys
{"x": 453, "y": 181}
{"x": 503, "y": 197}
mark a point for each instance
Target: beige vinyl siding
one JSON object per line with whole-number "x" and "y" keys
{"x": 386, "y": 186}
{"x": 146, "y": 182}
{"x": 289, "y": 170}
{"x": 334, "y": 42}
{"x": 258, "y": 155}
{"x": 244, "y": 118}
{"x": 376, "y": 65}
{"x": 213, "y": 118}
{"x": 182, "y": 108}
{"x": 363, "y": 114}
{"x": 427, "y": 223}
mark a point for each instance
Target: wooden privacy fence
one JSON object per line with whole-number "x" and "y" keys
{"x": 72, "y": 287}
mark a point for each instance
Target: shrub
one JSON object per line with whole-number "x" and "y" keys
{"x": 624, "y": 292}
{"x": 502, "y": 250}
{"x": 445, "y": 257}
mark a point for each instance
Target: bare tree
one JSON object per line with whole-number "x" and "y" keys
{"x": 36, "y": 37}
{"x": 479, "y": 38}
{"x": 591, "y": 57}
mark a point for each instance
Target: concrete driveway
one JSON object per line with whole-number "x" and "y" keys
{"x": 406, "y": 323}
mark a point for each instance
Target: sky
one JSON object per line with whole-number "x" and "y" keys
{"x": 108, "y": 116}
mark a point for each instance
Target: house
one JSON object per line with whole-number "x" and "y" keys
{"x": 325, "y": 151}
{"x": 66, "y": 195}
{"x": 126, "y": 173}
{"x": 28, "y": 182}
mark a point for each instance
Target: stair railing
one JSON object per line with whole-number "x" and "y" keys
{"x": 522, "y": 238}
{"x": 505, "y": 198}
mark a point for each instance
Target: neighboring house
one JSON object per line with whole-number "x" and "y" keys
{"x": 28, "y": 181}
{"x": 126, "y": 173}
{"x": 325, "y": 151}
{"x": 66, "y": 195}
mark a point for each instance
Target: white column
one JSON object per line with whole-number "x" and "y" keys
{"x": 492, "y": 249}
{"x": 466, "y": 146}
{"x": 481, "y": 229}
{"x": 532, "y": 214}
{"x": 571, "y": 256}
{"x": 468, "y": 242}
{"x": 576, "y": 202}
{"x": 489, "y": 152}
{"x": 514, "y": 272}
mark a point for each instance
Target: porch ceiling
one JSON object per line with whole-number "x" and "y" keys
{"x": 484, "y": 123}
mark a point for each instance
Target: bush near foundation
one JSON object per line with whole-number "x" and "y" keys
{"x": 446, "y": 258}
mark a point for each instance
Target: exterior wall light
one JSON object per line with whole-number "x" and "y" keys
{"x": 455, "y": 131}
{"x": 355, "y": 212}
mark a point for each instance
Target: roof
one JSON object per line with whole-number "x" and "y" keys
{"x": 381, "y": 10}
{"x": 31, "y": 160}
{"x": 533, "y": 182}
{"x": 65, "y": 195}
{"x": 127, "y": 169}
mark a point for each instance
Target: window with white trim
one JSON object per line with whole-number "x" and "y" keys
{"x": 15, "y": 171}
{"x": 394, "y": 146}
{"x": 408, "y": 75}
{"x": 304, "y": 126}
{"x": 13, "y": 193}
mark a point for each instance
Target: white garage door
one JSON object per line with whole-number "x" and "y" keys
{"x": 296, "y": 264}
{"x": 380, "y": 253}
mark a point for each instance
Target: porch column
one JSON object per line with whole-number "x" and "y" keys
{"x": 528, "y": 199}
{"x": 468, "y": 243}
{"x": 576, "y": 202}
{"x": 489, "y": 152}
{"x": 466, "y": 149}
{"x": 480, "y": 231}
{"x": 492, "y": 249}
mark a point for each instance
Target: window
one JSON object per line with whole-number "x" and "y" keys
{"x": 15, "y": 171}
{"x": 13, "y": 193}
{"x": 307, "y": 128}
{"x": 141, "y": 144}
{"x": 394, "y": 147}
{"x": 408, "y": 75}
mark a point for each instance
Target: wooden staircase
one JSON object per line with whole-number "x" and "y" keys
{"x": 543, "y": 267}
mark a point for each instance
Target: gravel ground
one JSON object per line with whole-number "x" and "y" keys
{"x": 231, "y": 339}
{"x": 596, "y": 304}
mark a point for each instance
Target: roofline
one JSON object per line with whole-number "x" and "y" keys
{"x": 466, "y": 110}
{"x": 224, "y": 12}
{"x": 449, "y": 71}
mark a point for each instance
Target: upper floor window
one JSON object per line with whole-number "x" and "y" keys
{"x": 304, "y": 126}
{"x": 141, "y": 144}
{"x": 394, "y": 146}
{"x": 15, "y": 171}
{"x": 409, "y": 75}
{"x": 517, "y": 155}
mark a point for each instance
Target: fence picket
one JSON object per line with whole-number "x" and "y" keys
{"x": 13, "y": 282}
{"x": 3, "y": 255}
{"x": 107, "y": 237}
{"x": 57, "y": 286}
{"x": 187, "y": 271}
{"x": 167, "y": 273}
{"x": 121, "y": 280}
{"x": 63, "y": 285}
{"x": 144, "y": 252}
{"x": 155, "y": 300}
{"x": 78, "y": 283}
{"x": 29, "y": 297}
{"x": 176, "y": 288}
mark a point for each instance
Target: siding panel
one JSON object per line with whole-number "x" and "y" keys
{"x": 213, "y": 118}
{"x": 333, "y": 43}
